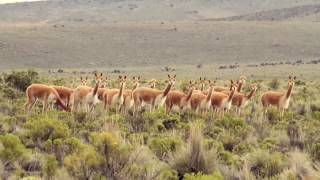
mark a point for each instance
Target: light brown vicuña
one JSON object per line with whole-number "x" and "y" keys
{"x": 240, "y": 100}
{"x": 85, "y": 97}
{"x": 114, "y": 97}
{"x": 221, "y": 101}
{"x": 46, "y": 94}
{"x": 153, "y": 97}
{"x": 128, "y": 96}
{"x": 280, "y": 100}
{"x": 179, "y": 99}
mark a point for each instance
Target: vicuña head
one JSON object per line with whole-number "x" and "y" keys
{"x": 153, "y": 83}
{"x": 241, "y": 82}
{"x": 136, "y": 82}
{"x": 202, "y": 82}
{"x": 83, "y": 81}
{"x": 102, "y": 80}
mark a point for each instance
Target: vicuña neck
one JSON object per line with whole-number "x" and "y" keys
{"x": 239, "y": 87}
{"x": 209, "y": 94}
{"x": 251, "y": 94}
{"x": 289, "y": 91}
{"x": 166, "y": 91}
{"x": 95, "y": 90}
{"x": 231, "y": 95}
{"x": 134, "y": 87}
{"x": 189, "y": 95}
{"x": 202, "y": 87}
{"x": 121, "y": 89}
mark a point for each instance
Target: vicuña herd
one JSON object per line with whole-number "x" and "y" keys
{"x": 201, "y": 96}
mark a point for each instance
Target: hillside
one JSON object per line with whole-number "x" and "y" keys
{"x": 156, "y": 44}
{"x": 106, "y": 11}
{"x": 301, "y": 13}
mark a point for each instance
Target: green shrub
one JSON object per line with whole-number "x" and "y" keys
{"x": 50, "y": 166}
{"x": 11, "y": 149}
{"x": 42, "y": 128}
{"x": 231, "y": 131}
{"x": 264, "y": 164}
{"x": 83, "y": 164}
{"x": 21, "y": 80}
{"x": 229, "y": 159}
{"x": 161, "y": 146}
{"x": 216, "y": 175}
{"x": 315, "y": 151}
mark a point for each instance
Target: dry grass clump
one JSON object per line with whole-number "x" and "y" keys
{"x": 193, "y": 157}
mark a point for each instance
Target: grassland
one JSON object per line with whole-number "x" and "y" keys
{"x": 142, "y": 46}
{"x": 105, "y": 145}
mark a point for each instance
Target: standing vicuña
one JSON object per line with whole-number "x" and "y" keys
{"x": 44, "y": 93}
{"x": 86, "y": 97}
{"x": 280, "y": 100}
{"x": 240, "y": 100}
{"x": 153, "y": 97}
{"x": 201, "y": 102}
{"x": 128, "y": 97}
{"x": 114, "y": 97}
{"x": 179, "y": 99}
{"x": 221, "y": 102}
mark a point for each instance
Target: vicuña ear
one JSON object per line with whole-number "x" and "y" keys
{"x": 175, "y": 76}
{"x": 95, "y": 74}
{"x": 231, "y": 81}
{"x": 169, "y": 76}
{"x": 100, "y": 74}
{"x": 125, "y": 77}
{"x": 81, "y": 78}
{"x": 120, "y": 77}
{"x": 139, "y": 78}
{"x": 290, "y": 77}
{"x": 294, "y": 78}
{"x": 87, "y": 78}
{"x": 200, "y": 78}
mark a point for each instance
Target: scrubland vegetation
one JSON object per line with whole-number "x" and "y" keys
{"x": 154, "y": 145}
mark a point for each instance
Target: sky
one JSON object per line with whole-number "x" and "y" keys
{"x": 13, "y": 1}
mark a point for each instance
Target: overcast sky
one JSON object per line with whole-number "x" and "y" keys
{"x": 13, "y": 1}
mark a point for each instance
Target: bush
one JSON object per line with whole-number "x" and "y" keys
{"x": 300, "y": 167}
{"x": 42, "y": 128}
{"x": 274, "y": 84}
{"x": 161, "y": 146}
{"x": 216, "y": 175}
{"x": 21, "y": 80}
{"x": 315, "y": 151}
{"x": 50, "y": 166}
{"x": 231, "y": 131}
{"x": 84, "y": 163}
{"x": 193, "y": 157}
{"x": 264, "y": 164}
{"x": 11, "y": 149}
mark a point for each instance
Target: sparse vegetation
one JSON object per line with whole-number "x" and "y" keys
{"x": 155, "y": 145}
